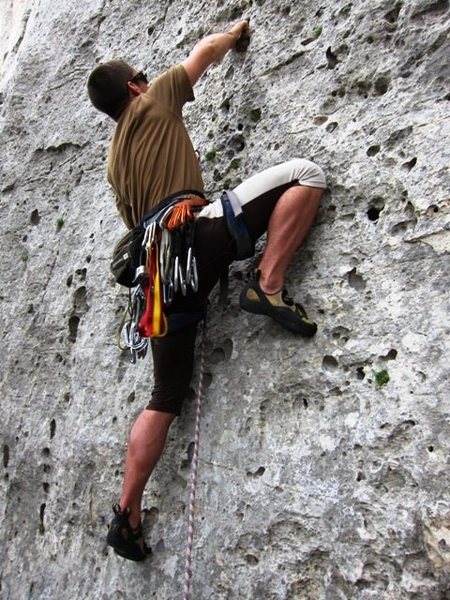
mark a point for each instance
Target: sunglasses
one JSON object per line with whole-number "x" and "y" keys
{"x": 141, "y": 76}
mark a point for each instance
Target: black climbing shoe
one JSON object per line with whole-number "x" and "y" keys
{"x": 280, "y": 307}
{"x": 127, "y": 542}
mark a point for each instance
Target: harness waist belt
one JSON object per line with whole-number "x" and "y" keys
{"x": 157, "y": 210}
{"x": 236, "y": 225}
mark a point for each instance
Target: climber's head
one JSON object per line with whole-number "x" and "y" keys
{"x": 113, "y": 84}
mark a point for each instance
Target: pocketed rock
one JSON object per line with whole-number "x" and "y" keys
{"x": 324, "y": 462}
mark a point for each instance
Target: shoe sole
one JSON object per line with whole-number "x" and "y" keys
{"x": 282, "y": 318}
{"x": 134, "y": 558}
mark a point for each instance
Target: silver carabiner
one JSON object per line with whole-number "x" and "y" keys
{"x": 149, "y": 235}
{"x": 194, "y": 275}
{"x": 176, "y": 277}
{"x": 182, "y": 279}
{"x": 165, "y": 255}
{"x": 188, "y": 265}
{"x": 167, "y": 293}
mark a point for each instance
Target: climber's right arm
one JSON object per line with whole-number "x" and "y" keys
{"x": 210, "y": 50}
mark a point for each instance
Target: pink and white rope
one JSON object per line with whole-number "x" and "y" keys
{"x": 194, "y": 473}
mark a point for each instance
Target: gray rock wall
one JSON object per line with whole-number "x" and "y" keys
{"x": 324, "y": 468}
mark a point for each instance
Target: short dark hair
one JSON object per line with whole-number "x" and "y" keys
{"x": 108, "y": 89}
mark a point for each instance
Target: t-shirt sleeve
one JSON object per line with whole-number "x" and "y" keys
{"x": 172, "y": 88}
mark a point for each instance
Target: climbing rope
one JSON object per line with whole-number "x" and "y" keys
{"x": 194, "y": 472}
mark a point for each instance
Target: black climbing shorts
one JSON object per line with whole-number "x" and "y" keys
{"x": 173, "y": 355}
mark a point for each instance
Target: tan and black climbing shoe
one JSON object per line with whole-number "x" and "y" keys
{"x": 280, "y": 307}
{"x": 127, "y": 542}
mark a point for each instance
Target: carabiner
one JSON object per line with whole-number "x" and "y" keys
{"x": 167, "y": 293}
{"x": 188, "y": 265}
{"x": 182, "y": 279}
{"x": 194, "y": 275}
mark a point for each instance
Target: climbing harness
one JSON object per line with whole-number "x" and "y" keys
{"x": 194, "y": 472}
{"x": 155, "y": 261}
{"x": 237, "y": 228}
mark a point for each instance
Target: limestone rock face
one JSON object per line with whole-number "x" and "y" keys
{"x": 324, "y": 463}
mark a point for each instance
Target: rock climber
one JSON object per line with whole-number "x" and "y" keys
{"x": 151, "y": 157}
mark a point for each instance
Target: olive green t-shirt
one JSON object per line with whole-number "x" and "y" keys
{"x": 151, "y": 155}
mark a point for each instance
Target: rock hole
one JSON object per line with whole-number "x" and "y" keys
{"x": 320, "y": 120}
{"x": 35, "y": 217}
{"x": 336, "y": 391}
{"x": 69, "y": 280}
{"x": 355, "y": 281}
{"x": 251, "y": 559}
{"x": 305, "y": 402}
{"x": 403, "y": 226}
{"x": 207, "y": 379}
{"x": 81, "y": 274}
{"x": 190, "y": 452}
{"x": 41, "y": 518}
{"x": 340, "y": 333}
{"x": 217, "y": 355}
{"x": 430, "y": 7}
{"x": 360, "y": 476}
{"x": 131, "y": 397}
{"x": 381, "y": 85}
{"x": 372, "y": 150}
{"x": 52, "y": 428}
{"x": 258, "y": 473}
{"x": 74, "y": 322}
{"x": 46, "y": 487}
{"x": 373, "y": 213}
{"x": 238, "y": 142}
{"x": 79, "y": 300}
{"x": 410, "y": 164}
{"x": 391, "y": 355}
{"x": 332, "y": 59}
{"x": 331, "y": 127}
{"x": 360, "y": 373}
{"x": 5, "y": 455}
{"x": 45, "y": 451}
{"x": 430, "y": 448}
{"x": 329, "y": 363}
{"x": 392, "y": 15}
{"x": 88, "y": 258}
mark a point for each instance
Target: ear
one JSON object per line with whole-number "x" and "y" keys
{"x": 133, "y": 88}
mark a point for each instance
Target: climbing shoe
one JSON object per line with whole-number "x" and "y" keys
{"x": 127, "y": 542}
{"x": 280, "y": 307}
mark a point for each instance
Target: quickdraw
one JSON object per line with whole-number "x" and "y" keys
{"x": 153, "y": 322}
{"x": 168, "y": 266}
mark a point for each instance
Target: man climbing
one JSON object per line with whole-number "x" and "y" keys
{"x": 151, "y": 158}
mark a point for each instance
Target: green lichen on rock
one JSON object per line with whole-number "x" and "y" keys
{"x": 382, "y": 377}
